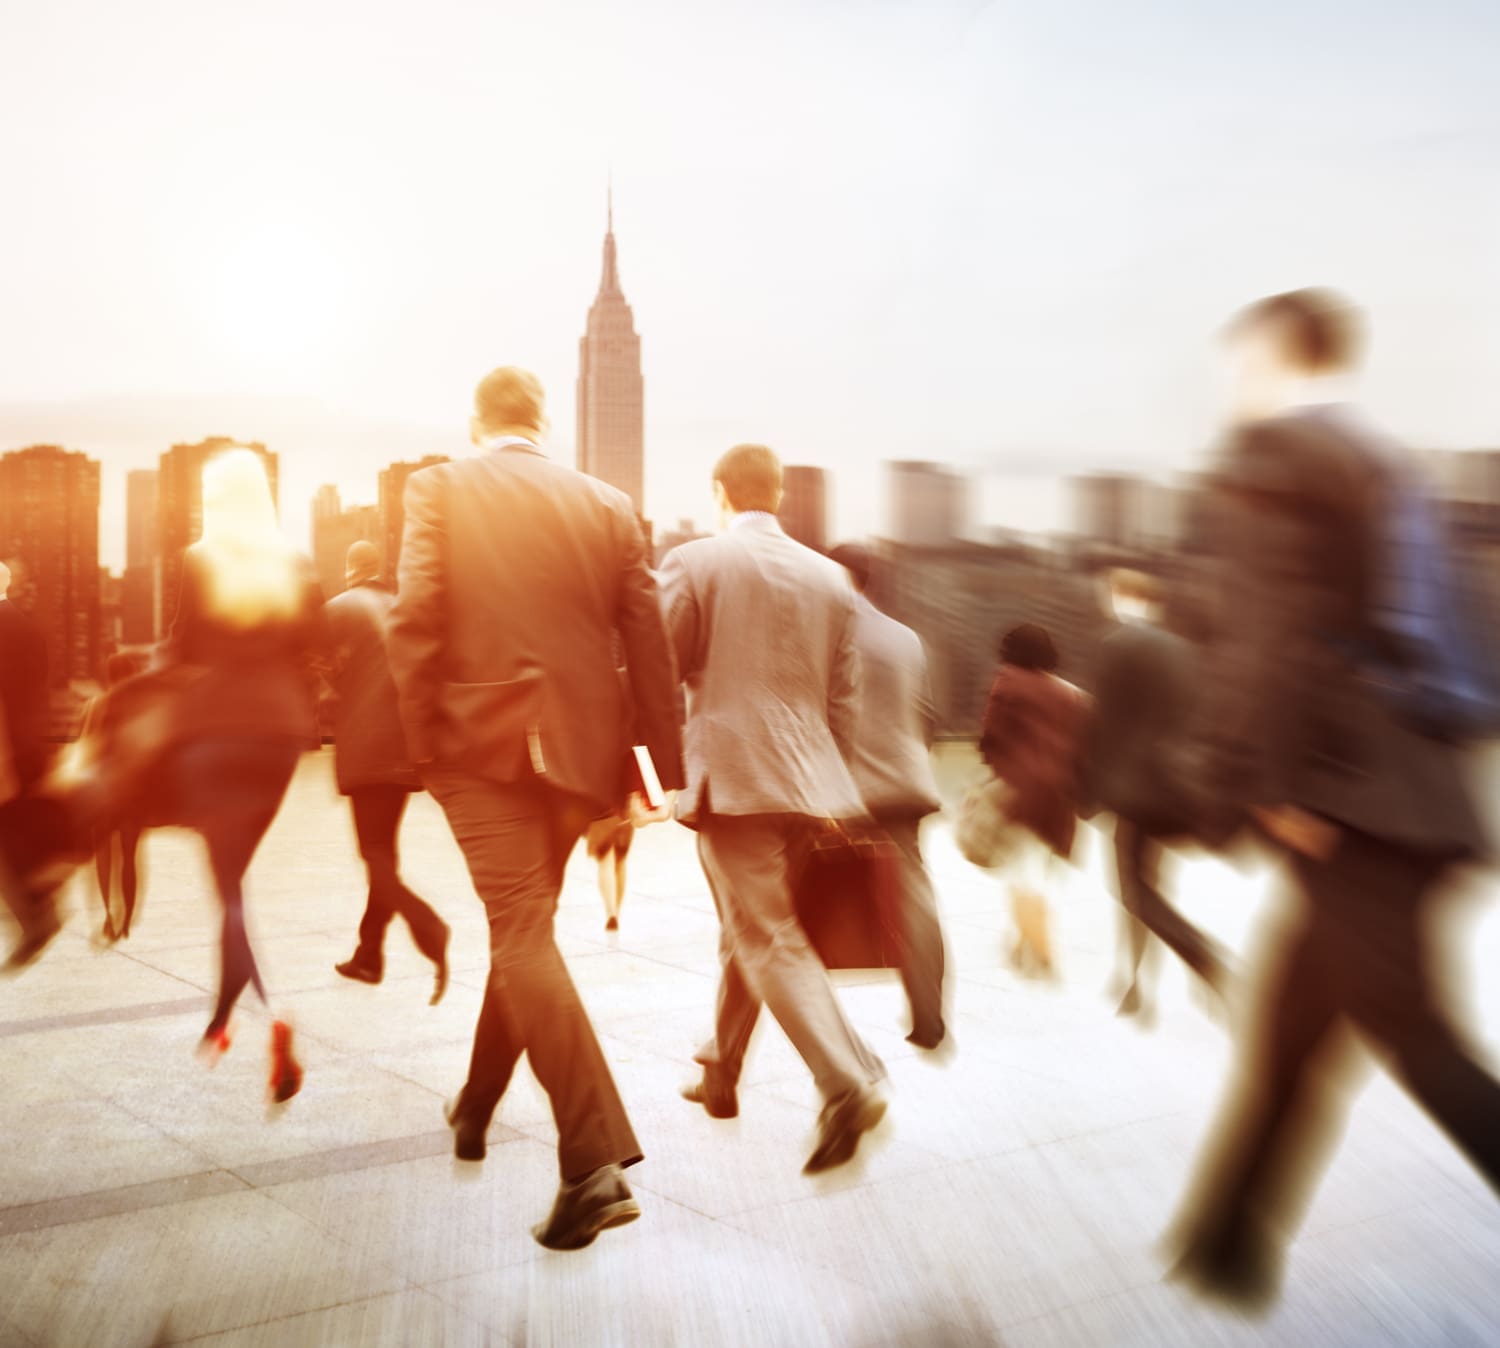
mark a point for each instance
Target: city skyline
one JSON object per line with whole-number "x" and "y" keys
{"x": 1004, "y": 235}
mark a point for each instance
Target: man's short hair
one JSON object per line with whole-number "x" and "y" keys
{"x": 1141, "y": 586}
{"x": 510, "y": 398}
{"x": 362, "y": 557}
{"x": 751, "y": 475}
{"x": 1317, "y": 331}
{"x": 856, "y": 559}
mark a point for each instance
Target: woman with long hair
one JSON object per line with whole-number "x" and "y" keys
{"x": 243, "y": 650}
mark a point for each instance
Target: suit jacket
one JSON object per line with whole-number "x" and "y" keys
{"x": 223, "y": 679}
{"x": 516, "y": 575}
{"x": 23, "y": 692}
{"x": 369, "y": 744}
{"x": 1292, "y": 719}
{"x": 764, "y": 633}
{"x": 1145, "y": 688}
{"x": 891, "y": 753}
{"x": 1032, "y": 738}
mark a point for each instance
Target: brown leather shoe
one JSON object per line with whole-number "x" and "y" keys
{"x": 586, "y": 1207}
{"x": 719, "y": 1100}
{"x": 840, "y": 1126}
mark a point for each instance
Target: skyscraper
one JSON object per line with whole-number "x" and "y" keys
{"x": 49, "y": 524}
{"x": 929, "y": 504}
{"x": 611, "y": 392}
{"x": 179, "y": 512}
{"x": 393, "y": 508}
{"x": 334, "y": 528}
{"x": 804, "y": 505}
{"x": 138, "y": 587}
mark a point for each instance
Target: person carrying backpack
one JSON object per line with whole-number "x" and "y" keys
{"x": 1345, "y": 686}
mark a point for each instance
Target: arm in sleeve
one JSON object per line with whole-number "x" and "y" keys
{"x": 843, "y": 685}
{"x": 926, "y": 702}
{"x": 679, "y": 605}
{"x": 419, "y": 617}
{"x": 648, "y": 658}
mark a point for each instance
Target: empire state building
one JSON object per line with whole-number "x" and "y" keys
{"x": 611, "y": 392}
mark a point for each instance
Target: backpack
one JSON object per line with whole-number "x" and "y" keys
{"x": 1427, "y": 649}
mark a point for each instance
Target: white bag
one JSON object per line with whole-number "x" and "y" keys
{"x": 985, "y": 833}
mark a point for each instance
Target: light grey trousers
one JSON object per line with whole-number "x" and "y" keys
{"x": 765, "y": 956}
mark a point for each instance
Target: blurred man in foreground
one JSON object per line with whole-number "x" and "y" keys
{"x": 1329, "y": 651}
{"x": 891, "y": 760}
{"x": 764, "y": 633}
{"x": 515, "y": 575}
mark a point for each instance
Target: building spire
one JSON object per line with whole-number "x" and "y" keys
{"x": 609, "y": 283}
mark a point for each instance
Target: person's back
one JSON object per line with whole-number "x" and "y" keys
{"x": 1144, "y": 692}
{"x": 369, "y": 744}
{"x": 520, "y": 661}
{"x": 890, "y": 755}
{"x": 23, "y": 686}
{"x": 767, "y": 654}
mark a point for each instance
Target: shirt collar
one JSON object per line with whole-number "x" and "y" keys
{"x": 509, "y": 442}
{"x": 751, "y": 517}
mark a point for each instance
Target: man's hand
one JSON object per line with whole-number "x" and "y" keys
{"x": 640, "y": 814}
{"x": 1301, "y": 832}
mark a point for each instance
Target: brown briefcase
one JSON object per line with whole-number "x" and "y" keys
{"x": 846, "y": 899}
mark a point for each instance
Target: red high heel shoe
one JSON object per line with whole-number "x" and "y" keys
{"x": 286, "y": 1072}
{"x": 213, "y": 1046}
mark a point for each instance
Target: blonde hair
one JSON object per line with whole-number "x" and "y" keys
{"x": 510, "y": 399}
{"x": 253, "y": 572}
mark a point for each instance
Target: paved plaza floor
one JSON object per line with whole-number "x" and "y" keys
{"x": 1014, "y": 1195}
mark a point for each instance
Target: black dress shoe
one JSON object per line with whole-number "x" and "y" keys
{"x": 719, "y": 1100}
{"x": 361, "y": 971}
{"x": 37, "y": 932}
{"x": 468, "y": 1135}
{"x": 440, "y": 973}
{"x": 840, "y": 1126}
{"x": 928, "y": 1039}
{"x": 584, "y": 1208}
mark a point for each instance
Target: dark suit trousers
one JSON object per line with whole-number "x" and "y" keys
{"x": 1137, "y": 864}
{"x": 765, "y": 956}
{"x": 377, "y": 822}
{"x": 516, "y": 839}
{"x": 918, "y": 935}
{"x": 1359, "y": 956}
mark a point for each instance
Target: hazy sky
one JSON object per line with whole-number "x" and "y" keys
{"x": 991, "y": 233}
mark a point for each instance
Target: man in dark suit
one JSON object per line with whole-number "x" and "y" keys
{"x": 764, "y": 633}
{"x": 891, "y": 761}
{"x": 372, "y": 767}
{"x": 1372, "y": 811}
{"x": 1145, "y": 683}
{"x": 516, "y": 574}
{"x": 26, "y": 823}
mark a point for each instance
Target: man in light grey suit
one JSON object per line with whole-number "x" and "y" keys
{"x": 891, "y": 759}
{"x": 764, "y": 634}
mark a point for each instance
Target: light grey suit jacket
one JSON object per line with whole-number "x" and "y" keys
{"x": 764, "y": 633}
{"x": 890, "y": 758}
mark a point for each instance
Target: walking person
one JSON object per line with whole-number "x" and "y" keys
{"x": 764, "y": 631}
{"x": 1339, "y": 725}
{"x": 372, "y": 767}
{"x": 1145, "y": 690}
{"x": 516, "y": 574}
{"x": 117, "y": 838}
{"x": 237, "y": 676}
{"x": 25, "y": 819}
{"x": 1030, "y": 739}
{"x": 891, "y": 760}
